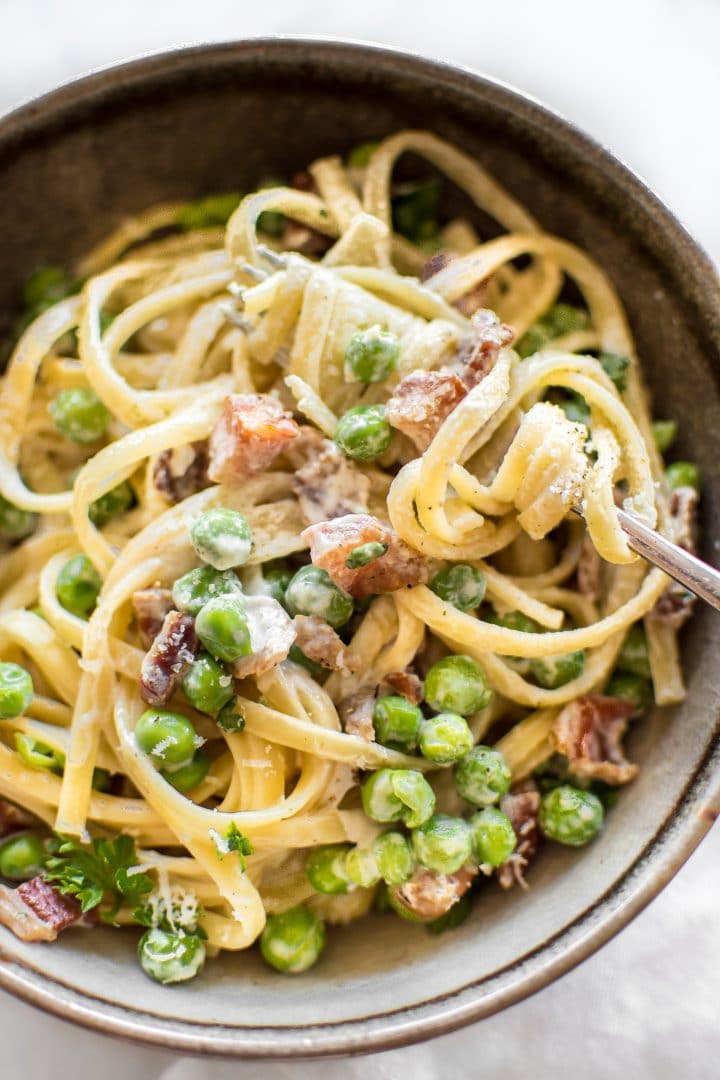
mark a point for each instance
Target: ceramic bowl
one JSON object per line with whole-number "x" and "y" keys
{"x": 221, "y": 117}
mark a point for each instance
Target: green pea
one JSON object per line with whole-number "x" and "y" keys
{"x": 452, "y": 918}
{"x": 559, "y": 320}
{"x": 293, "y": 940}
{"x": 398, "y": 795}
{"x": 112, "y": 504}
{"x": 365, "y": 553}
{"x": 361, "y": 868}
{"x": 493, "y": 836}
{"x": 325, "y": 868}
{"x": 222, "y": 627}
{"x": 615, "y": 367}
{"x": 207, "y": 684}
{"x": 359, "y": 156}
{"x": 313, "y": 592}
{"x": 443, "y": 843}
{"x": 683, "y": 474}
{"x": 570, "y": 815}
{"x": 394, "y": 858}
{"x": 212, "y": 211}
{"x": 222, "y": 538}
{"x": 415, "y": 207}
{"x": 21, "y": 857}
{"x": 16, "y": 690}
{"x": 371, "y": 355}
{"x": 276, "y": 582}
{"x": 38, "y": 755}
{"x": 457, "y": 684}
{"x": 15, "y": 524}
{"x": 482, "y": 776}
{"x": 460, "y": 585}
{"x": 167, "y": 737}
{"x": 634, "y": 657}
{"x": 554, "y": 671}
{"x": 47, "y": 285}
{"x": 298, "y": 657}
{"x": 101, "y": 779}
{"x": 445, "y": 738}
{"x": 631, "y": 688}
{"x": 80, "y": 415}
{"x": 396, "y": 721}
{"x": 193, "y": 590}
{"x": 514, "y": 620}
{"x": 169, "y": 957}
{"x": 187, "y": 777}
{"x": 78, "y": 586}
{"x": 230, "y": 718}
{"x": 665, "y": 434}
{"x": 363, "y": 433}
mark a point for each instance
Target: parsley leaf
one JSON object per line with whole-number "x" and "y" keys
{"x": 97, "y": 873}
{"x": 237, "y": 842}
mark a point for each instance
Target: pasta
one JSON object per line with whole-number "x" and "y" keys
{"x": 298, "y": 612}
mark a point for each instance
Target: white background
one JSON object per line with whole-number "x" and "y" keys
{"x": 642, "y": 76}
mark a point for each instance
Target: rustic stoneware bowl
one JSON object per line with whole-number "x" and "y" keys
{"x": 222, "y": 117}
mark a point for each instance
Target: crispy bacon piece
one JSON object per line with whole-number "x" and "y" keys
{"x": 428, "y": 895}
{"x": 356, "y": 713}
{"x": 332, "y": 541}
{"x": 170, "y": 655}
{"x": 271, "y": 635}
{"x": 421, "y": 402}
{"x": 320, "y": 643}
{"x": 150, "y": 607}
{"x": 521, "y": 804}
{"x": 407, "y": 684}
{"x": 479, "y": 352}
{"x": 589, "y": 570}
{"x": 36, "y": 911}
{"x": 589, "y": 732}
{"x": 676, "y": 604}
{"x": 252, "y": 430}
{"x": 12, "y": 818}
{"x": 182, "y": 471}
{"x": 327, "y": 485}
{"x": 469, "y": 302}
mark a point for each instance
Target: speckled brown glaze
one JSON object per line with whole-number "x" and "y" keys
{"x": 221, "y": 117}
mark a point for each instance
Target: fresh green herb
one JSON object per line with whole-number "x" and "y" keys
{"x": 615, "y": 367}
{"x": 236, "y": 841}
{"x": 98, "y": 873}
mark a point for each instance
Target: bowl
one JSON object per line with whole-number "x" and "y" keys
{"x": 221, "y": 117}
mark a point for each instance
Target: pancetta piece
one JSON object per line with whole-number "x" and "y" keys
{"x": 252, "y": 430}
{"x": 421, "y": 402}
{"x": 356, "y": 714}
{"x": 320, "y": 643}
{"x": 150, "y": 607}
{"x": 521, "y": 804}
{"x": 331, "y": 543}
{"x": 428, "y": 895}
{"x": 272, "y": 633}
{"x": 589, "y": 731}
{"x": 169, "y": 657}
{"x": 182, "y": 471}
{"x": 676, "y": 604}
{"x": 407, "y": 684}
{"x": 36, "y": 911}
{"x": 327, "y": 485}
{"x": 479, "y": 352}
{"x": 13, "y": 817}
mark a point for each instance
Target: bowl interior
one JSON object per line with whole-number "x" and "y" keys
{"x": 225, "y": 118}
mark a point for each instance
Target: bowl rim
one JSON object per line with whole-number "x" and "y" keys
{"x": 676, "y": 838}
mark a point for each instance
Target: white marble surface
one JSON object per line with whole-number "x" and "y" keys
{"x": 643, "y": 77}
